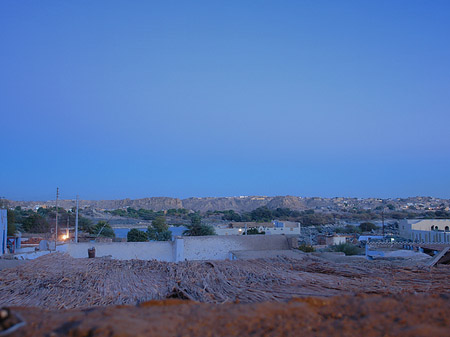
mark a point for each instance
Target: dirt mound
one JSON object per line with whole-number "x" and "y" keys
{"x": 367, "y": 316}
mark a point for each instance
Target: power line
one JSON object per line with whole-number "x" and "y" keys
{"x": 76, "y": 223}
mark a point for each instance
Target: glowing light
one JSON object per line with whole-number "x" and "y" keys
{"x": 64, "y": 237}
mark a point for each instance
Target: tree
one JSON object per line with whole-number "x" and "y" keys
{"x": 160, "y": 224}
{"x": 43, "y": 211}
{"x": 231, "y": 216}
{"x": 367, "y": 227}
{"x": 4, "y": 203}
{"x": 136, "y": 235}
{"x": 154, "y": 235}
{"x": 11, "y": 223}
{"x": 103, "y": 228}
{"x": 261, "y": 214}
{"x": 348, "y": 229}
{"x": 201, "y": 230}
{"x": 35, "y": 223}
{"x": 196, "y": 228}
{"x": 282, "y": 213}
{"x": 347, "y": 249}
{"x": 159, "y": 230}
{"x": 86, "y": 225}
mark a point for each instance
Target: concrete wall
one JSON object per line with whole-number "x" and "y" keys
{"x": 281, "y": 230}
{"x": 228, "y": 231}
{"x": 161, "y": 251}
{"x": 296, "y": 230}
{"x": 430, "y": 236}
{"x": 219, "y": 247}
{"x": 31, "y": 254}
{"x": 182, "y": 248}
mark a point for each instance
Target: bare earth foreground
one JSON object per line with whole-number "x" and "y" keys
{"x": 57, "y": 295}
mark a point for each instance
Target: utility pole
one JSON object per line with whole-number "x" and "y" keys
{"x": 67, "y": 230}
{"x": 56, "y": 222}
{"x": 382, "y": 217}
{"x": 76, "y": 223}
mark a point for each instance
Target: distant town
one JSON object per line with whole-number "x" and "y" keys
{"x": 311, "y": 218}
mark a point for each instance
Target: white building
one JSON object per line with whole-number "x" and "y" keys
{"x": 427, "y": 231}
{"x": 282, "y": 227}
{"x": 3, "y": 230}
{"x": 225, "y": 230}
{"x": 276, "y": 227}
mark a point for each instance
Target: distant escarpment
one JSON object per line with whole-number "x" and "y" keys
{"x": 238, "y": 204}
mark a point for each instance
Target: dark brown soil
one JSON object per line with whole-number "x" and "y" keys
{"x": 363, "y": 315}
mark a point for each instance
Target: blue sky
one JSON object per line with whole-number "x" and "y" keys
{"x": 116, "y": 99}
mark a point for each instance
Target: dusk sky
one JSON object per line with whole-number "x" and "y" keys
{"x": 133, "y": 99}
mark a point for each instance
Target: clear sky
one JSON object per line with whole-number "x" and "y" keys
{"x": 116, "y": 99}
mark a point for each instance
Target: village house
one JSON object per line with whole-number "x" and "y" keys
{"x": 426, "y": 230}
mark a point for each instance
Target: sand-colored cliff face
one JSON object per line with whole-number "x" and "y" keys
{"x": 249, "y": 203}
{"x": 238, "y": 204}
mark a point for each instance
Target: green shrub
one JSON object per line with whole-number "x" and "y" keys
{"x": 347, "y": 249}
{"x": 196, "y": 228}
{"x": 348, "y": 229}
{"x": 136, "y": 235}
{"x": 159, "y": 230}
{"x": 306, "y": 248}
{"x": 103, "y": 228}
{"x": 199, "y": 230}
{"x": 367, "y": 226}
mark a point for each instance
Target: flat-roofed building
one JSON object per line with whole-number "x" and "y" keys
{"x": 426, "y": 230}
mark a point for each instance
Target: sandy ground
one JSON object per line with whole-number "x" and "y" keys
{"x": 369, "y": 315}
{"x": 4, "y": 263}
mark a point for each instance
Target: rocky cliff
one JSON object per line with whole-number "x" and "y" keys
{"x": 238, "y": 204}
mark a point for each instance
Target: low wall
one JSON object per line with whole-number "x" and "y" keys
{"x": 182, "y": 248}
{"x": 161, "y": 251}
{"x": 219, "y": 247}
